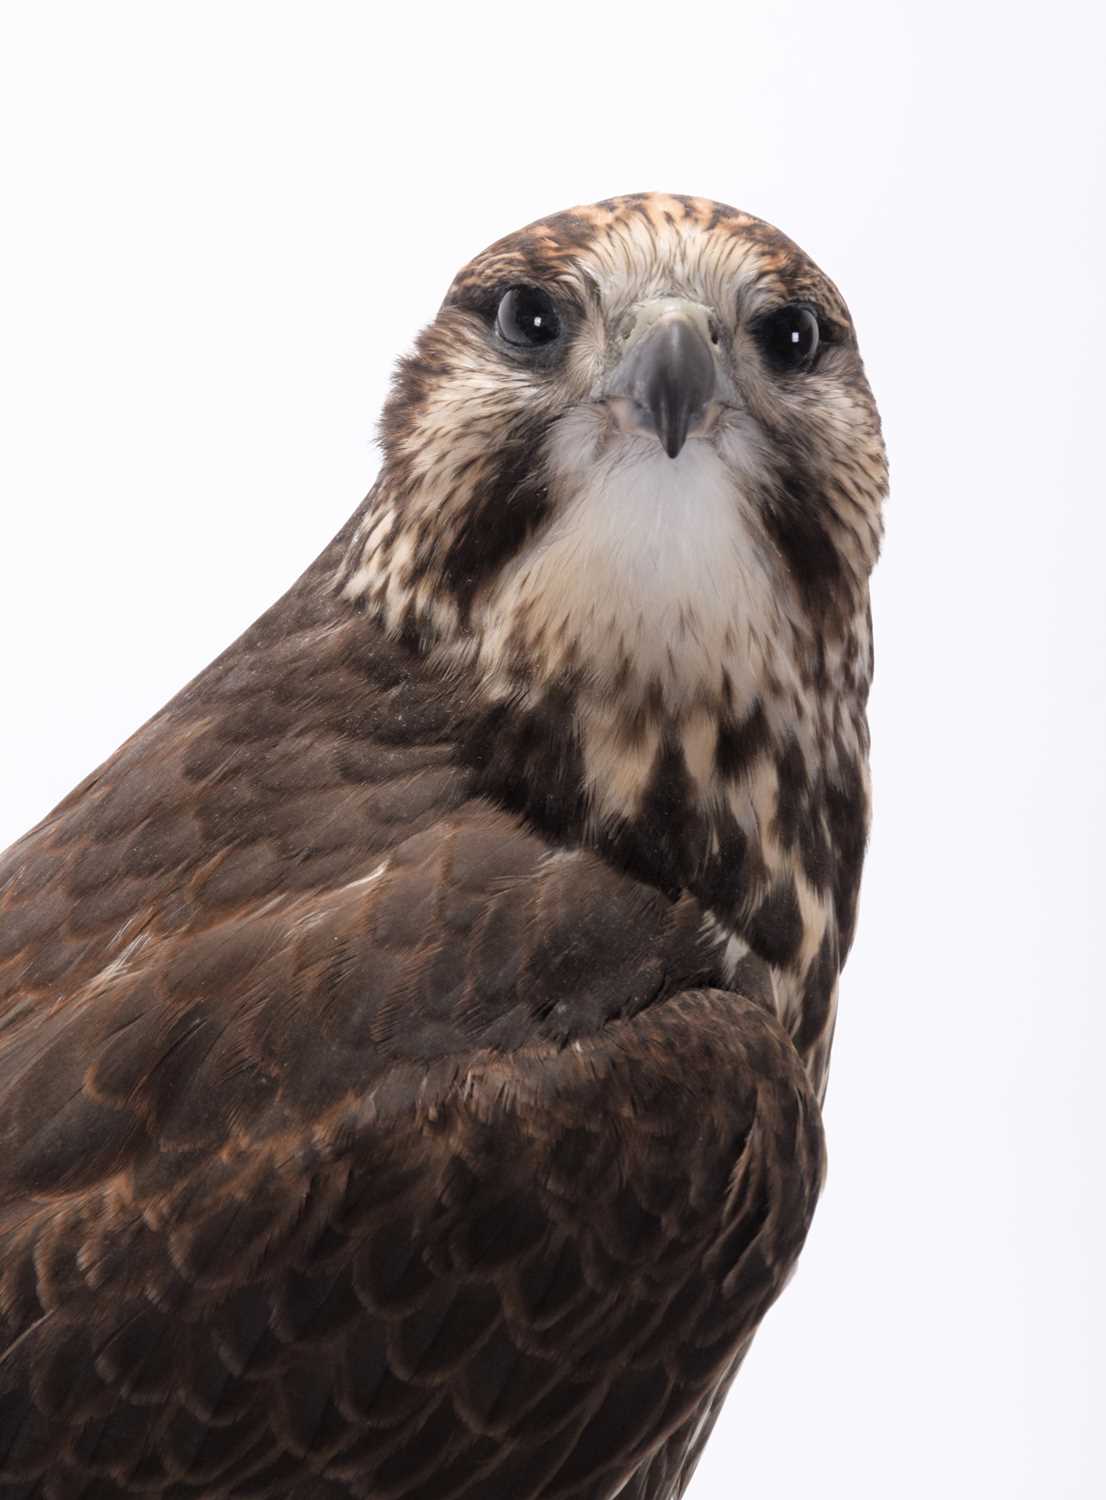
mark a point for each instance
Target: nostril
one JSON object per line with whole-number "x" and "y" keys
{"x": 713, "y": 331}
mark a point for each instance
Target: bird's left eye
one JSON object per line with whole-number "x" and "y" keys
{"x": 788, "y": 337}
{"x": 527, "y": 317}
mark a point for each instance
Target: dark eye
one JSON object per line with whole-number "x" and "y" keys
{"x": 788, "y": 337}
{"x": 527, "y": 317}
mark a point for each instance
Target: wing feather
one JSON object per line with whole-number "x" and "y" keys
{"x": 353, "y": 1139}
{"x": 559, "y": 1242}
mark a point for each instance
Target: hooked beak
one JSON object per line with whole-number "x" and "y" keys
{"x": 665, "y": 381}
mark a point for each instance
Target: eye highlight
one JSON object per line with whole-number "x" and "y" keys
{"x": 788, "y": 338}
{"x": 527, "y": 318}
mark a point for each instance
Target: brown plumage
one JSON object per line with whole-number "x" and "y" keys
{"x": 411, "y": 1041}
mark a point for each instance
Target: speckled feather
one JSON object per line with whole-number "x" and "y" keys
{"x": 390, "y": 1106}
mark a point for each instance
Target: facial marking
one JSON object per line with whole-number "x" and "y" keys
{"x": 630, "y": 499}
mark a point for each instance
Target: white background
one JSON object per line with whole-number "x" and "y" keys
{"x": 221, "y": 224}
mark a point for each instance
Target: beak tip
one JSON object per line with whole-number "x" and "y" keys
{"x": 676, "y": 370}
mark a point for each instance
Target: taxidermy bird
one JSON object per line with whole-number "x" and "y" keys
{"x": 412, "y": 1040}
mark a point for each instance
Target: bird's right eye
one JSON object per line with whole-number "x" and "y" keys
{"x": 527, "y": 318}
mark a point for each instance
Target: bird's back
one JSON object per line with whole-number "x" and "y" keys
{"x": 335, "y": 1140}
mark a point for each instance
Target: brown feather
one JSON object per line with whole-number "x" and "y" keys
{"x": 374, "y": 1120}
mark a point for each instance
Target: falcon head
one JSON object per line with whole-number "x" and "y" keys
{"x": 634, "y": 454}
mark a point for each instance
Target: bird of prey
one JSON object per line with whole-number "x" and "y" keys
{"x": 412, "y": 1040}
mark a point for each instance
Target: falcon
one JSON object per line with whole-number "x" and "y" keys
{"x": 412, "y": 1040}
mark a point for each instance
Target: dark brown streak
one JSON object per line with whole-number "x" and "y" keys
{"x": 377, "y": 1122}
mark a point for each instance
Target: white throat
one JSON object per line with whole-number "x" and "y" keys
{"x": 652, "y": 573}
